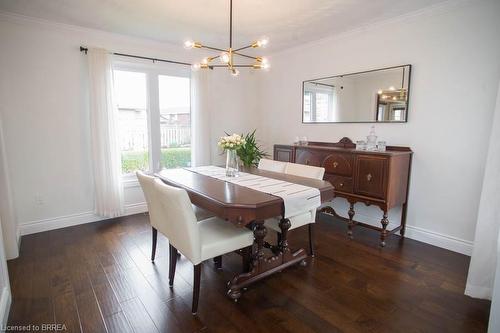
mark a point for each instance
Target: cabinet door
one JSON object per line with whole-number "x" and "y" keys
{"x": 370, "y": 176}
{"x": 308, "y": 157}
{"x": 283, "y": 154}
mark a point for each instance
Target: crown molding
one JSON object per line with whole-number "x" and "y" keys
{"x": 64, "y": 27}
{"x": 429, "y": 11}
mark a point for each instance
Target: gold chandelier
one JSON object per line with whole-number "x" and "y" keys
{"x": 228, "y": 55}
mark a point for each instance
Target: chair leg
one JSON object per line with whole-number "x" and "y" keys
{"x": 172, "y": 264}
{"x": 218, "y": 262}
{"x": 311, "y": 243}
{"x": 196, "y": 288}
{"x": 155, "y": 237}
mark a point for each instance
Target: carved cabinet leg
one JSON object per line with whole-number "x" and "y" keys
{"x": 350, "y": 223}
{"x": 383, "y": 233}
{"x": 284, "y": 224}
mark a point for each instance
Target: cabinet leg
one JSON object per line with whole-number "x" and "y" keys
{"x": 284, "y": 224}
{"x": 383, "y": 233}
{"x": 403, "y": 219}
{"x": 351, "y": 222}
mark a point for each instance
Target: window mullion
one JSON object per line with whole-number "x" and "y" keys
{"x": 154, "y": 121}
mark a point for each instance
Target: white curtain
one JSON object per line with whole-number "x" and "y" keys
{"x": 200, "y": 119}
{"x": 484, "y": 255}
{"x": 103, "y": 136}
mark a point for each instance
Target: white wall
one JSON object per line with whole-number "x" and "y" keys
{"x": 43, "y": 94}
{"x": 455, "y": 54}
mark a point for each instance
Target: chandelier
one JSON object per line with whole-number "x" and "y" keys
{"x": 227, "y": 56}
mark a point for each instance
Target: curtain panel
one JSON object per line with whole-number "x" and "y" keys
{"x": 106, "y": 159}
{"x": 484, "y": 259}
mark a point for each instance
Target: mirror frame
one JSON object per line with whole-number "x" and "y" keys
{"x": 359, "y": 122}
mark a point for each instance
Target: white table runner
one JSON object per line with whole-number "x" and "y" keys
{"x": 297, "y": 198}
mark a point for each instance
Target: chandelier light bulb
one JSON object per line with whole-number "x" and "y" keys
{"x": 205, "y": 61}
{"x": 263, "y": 42}
{"x": 379, "y": 92}
{"x": 195, "y": 67}
{"x": 392, "y": 88}
{"x": 189, "y": 44}
{"x": 266, "y": 65}
{"x": 224, "y": 57}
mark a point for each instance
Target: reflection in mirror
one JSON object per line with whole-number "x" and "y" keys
{"x": 373, "y": 96}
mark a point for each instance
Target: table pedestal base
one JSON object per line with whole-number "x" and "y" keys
{"x": 262, "y": 267}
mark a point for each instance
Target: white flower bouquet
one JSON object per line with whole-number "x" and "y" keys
{"x": 231, "y": 142}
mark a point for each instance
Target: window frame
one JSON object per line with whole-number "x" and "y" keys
{"x": 152, "y": 72}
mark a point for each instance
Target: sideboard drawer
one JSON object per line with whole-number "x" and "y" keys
{"x": 370, "y": 176}
{"x": 341, "y": 184}
{"x": 308, "y": 157}
{"x": 338, "y": 164}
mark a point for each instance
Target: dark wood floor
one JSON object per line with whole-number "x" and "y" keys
{"x": 98, "y": 277}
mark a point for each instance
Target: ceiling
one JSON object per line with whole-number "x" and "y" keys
{"x": 285, "y": 22}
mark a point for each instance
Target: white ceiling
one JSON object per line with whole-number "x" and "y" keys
{"x": 285, "y": 22}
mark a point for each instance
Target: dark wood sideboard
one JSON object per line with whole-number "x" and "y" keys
{"x": 373, "y": 178}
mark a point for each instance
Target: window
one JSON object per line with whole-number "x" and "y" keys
{"x": 154, "y": 118}
{"x": 319, "y": 103}
{"x": 175, "y": 121}
{"x": 130, "y": 95}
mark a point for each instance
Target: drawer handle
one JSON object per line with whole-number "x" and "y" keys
{"x": 369, "y": 177}
{"x": 335, "y": 164}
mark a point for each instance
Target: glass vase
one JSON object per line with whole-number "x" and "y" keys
{"x": 232, "y": 168}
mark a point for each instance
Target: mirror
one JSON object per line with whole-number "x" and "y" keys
{"x": 379, "y": 95}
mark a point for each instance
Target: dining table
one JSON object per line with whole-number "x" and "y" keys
{"x": 246, "y": 207}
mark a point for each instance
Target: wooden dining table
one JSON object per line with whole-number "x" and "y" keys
{"x": 245, "y": 207}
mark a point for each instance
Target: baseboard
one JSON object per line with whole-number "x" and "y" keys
{"x": 5, "y": 302}
{"x": 73, "y": 219}
{"x": 426, "y": 236}
{"x": 444, "y": 241}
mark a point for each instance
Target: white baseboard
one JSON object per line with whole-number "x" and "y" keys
{"x": 5, "y": 302}
{"x": 444, "y": 241}
{"x": 426, "y": 236}
{"x": 73, "y": 219}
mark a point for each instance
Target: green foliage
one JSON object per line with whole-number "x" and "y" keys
{"x": 170, "y": 158}
{"x": 250, "y": 152}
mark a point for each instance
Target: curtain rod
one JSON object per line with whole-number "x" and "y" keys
{"x": 84, "y": 49}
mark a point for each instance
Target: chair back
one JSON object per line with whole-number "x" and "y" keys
{"x": 306, "y": 171}
{"x": 271, "y": 165}
{"x": 178, "y": 221}
{"x": 148, "y": 187}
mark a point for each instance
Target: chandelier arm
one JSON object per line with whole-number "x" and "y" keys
{"x": 244, "y": 55}
{"x": 213, "y": 48}
{"x": 243, "y": 48}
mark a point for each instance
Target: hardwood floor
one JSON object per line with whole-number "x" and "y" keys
{"x": 98, "y": 277}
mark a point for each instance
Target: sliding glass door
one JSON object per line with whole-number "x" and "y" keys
{"x": 154, "y": 121}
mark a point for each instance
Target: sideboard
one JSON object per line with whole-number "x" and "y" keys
{"x": 371, "y": 177}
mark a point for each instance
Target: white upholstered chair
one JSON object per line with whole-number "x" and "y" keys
{"x": 300, "y": 220}
{"x": 172, "y": 214}
{"x": 307, "y": 171}
{"x": 271, "y": 165}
